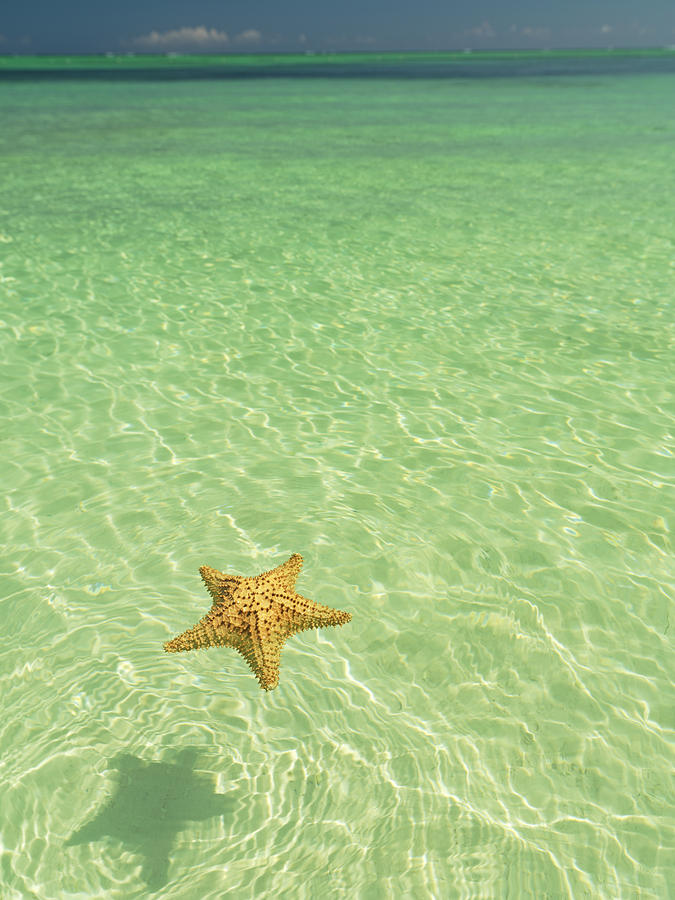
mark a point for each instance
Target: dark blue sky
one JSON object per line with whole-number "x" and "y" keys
{"x": 80, "y": 26}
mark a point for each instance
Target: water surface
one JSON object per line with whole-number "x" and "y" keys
{"x": 418, "y": 330}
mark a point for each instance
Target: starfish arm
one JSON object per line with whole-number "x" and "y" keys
{"x": 262, "y": 651}
{"x": 211, "y": 631}
{"x": 287, "y": 572}
{"x": 220, "y": 586}
{"x": 310, "y": 614}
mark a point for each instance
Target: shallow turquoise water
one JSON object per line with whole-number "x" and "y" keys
{"x": 420, "y": 332}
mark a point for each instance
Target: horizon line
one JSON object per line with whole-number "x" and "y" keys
{"x": 322, "y": 52}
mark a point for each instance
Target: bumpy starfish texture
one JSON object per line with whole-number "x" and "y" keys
{"x": 255, "y": 615}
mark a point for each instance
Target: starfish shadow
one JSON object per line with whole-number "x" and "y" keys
{"x": 152, "y": 803}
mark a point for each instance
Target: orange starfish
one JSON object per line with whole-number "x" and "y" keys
{"x": 255, "y": 615}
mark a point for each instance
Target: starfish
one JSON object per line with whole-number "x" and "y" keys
{"x": 255, "y": 615}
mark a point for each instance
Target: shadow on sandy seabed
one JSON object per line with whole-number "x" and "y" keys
{"x": 152, "y": 803}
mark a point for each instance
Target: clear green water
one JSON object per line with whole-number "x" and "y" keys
{"x": 420, "y": 332}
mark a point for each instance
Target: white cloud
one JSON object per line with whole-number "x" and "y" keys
{"x": 250, "y": 36}
{"x": 606, "y": 29}
{"x": 181, "y": 39}
{"x": 533, "y": 32}
{"x": 482, "y": 30}
{"x": 537, "y": 32}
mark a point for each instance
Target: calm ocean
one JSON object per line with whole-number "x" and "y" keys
{"x": 415, "y": 321}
